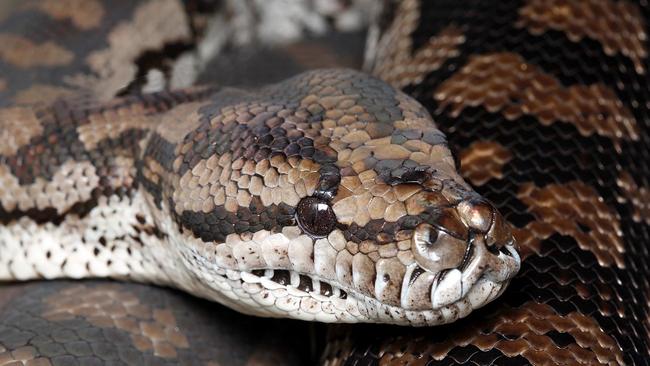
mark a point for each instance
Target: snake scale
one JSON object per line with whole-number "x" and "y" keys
{"x": 333, "y": 196}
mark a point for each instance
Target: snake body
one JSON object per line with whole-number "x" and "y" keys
{"x": 547, "y": 104}
{"x": 334, "y": 197}
{"x": 329, "y": 196}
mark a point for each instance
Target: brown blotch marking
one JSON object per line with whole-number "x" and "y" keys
{"x": 483, "y": 160}
{"x": 23, "y": 53}
{"x": 529, "y": 238}
{"x": 17, "y": 126}
{"x": 154, "y": 24}
{"x": 505, "y": 83}
{"x": 43, "y": 94}
{"x": 107, "y": 306}
{"x": 617, "y": 25}
{"x": 397, "y": 62}
{"x": 72, "y": 182}
{"x": 152, "y": 170}
{"x": 173, "y": 118}
{"x": 637, "y": 196}
{"x": 573, "y": 209}
{"x": 3, "y": 84}
{"x": 84, "y": 14}
{"x": 218, "y": 181}
{"x": 526, "y": 328}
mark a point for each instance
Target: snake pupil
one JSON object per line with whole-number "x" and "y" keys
{"x": 315, "y": 216}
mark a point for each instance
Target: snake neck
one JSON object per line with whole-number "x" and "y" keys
{"x": 80, "y": 193}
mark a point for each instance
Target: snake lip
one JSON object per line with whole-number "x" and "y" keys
{"x": 479, "y": 278}
{"x": 296, "y": 282}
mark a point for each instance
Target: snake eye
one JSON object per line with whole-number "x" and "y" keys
{"x": 315, "y": 216}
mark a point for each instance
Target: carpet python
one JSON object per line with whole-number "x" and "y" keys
{"x": 548, "y": 105}
{"x": 545, "y": 101}
{"x": 330, "y": 196}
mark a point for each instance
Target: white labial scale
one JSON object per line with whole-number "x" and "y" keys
{"x": 301, "y": 252}
{"x": 484, "y": 291}
{"x": 448, "y": 290}
{"x": 99, "y": 244}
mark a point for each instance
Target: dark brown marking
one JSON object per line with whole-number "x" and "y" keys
{"x": 23, "y": 53}
{"x": 399, "y": 64}
{"x": 106, "y": 306}
{"x": 618, "y": 26}
{"x": 507, "y": 84}
{"x": 573, "y": 209}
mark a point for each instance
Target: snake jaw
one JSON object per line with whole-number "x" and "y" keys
{"x": 339, "y": 290}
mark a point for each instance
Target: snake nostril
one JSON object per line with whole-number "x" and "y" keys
{"x": 430, "y": 236}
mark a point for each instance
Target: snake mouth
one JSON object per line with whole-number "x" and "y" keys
{"x": 426, "y": 298}
{"x": 296, "y": 283}
{"x": 479, "y": 279}
{"x": 466, "y": 253}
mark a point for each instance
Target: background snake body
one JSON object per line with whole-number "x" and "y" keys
{"x": 546, "y": 102}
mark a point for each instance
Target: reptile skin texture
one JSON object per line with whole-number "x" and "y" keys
{"x": 546, "y": 106}
{"x": 546, "y": 103}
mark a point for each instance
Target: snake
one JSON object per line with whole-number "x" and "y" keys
{"x": 333, "y": 196}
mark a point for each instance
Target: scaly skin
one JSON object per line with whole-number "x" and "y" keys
{"x": 548, "y": 105}
{"x": 329, "y": 196}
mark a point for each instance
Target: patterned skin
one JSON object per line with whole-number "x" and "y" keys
{"x": 329, "y": 196}
{"x": 572, "y": 180}
{"x": 548, "y": 105}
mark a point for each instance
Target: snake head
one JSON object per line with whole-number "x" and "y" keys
{"x": 333, "y": 197}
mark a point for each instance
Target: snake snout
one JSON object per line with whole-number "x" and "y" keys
{"x": 468, "y": 251}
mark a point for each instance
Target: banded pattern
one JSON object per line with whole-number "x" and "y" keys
{"x": 557, "y": 92}
{"x": 101, "y": 322}
{"x": 573, "y": 183}
{"x": 224, "y": 208}
{"x": 84, "y": 49}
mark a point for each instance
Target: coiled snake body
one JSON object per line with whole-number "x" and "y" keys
{"x": 332, "y": 196}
